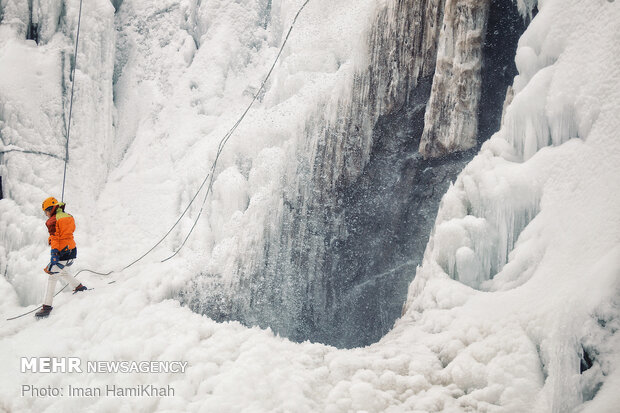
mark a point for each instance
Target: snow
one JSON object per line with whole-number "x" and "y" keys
{"x": 522, "y": 273}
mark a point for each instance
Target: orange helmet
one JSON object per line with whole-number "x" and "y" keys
{"x": 49, "y": 203}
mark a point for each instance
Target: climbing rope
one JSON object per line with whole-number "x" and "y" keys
{"x": 30, "y": 152}
{"x": 39, "y": 307}
{"x": 75, "y": 56}
{"x": 208, "y": 178}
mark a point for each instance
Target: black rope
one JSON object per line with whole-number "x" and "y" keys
{"x": 51, "y": 155}
{"x": 21, "y": 315}
{"x": 77, "y": 40}
{"x": 39, "y": 307}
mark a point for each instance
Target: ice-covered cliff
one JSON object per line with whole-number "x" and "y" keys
{"x": 342, "y": 245}
{"x": 451, "y": 119}
{"x": 313, "y": 177}
{"x": 37, "y": 56}
{"x": 321, "y": 206}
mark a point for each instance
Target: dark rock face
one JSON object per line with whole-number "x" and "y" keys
{"x": 504, "y": 29}
{"x": 356, "y": 218}
{"x": 344, "y": 228}
{"x": 388, "y": 214}
{"x": 117, "y": 4}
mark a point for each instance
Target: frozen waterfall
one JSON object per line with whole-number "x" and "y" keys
{"x": 419, "y": 212}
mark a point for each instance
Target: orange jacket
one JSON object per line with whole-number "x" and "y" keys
{"x": 61, "y": 226}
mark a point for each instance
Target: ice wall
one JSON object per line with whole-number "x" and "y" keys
{"x": 474, "y": 63}
{"x": 35, "y": 81}
{"x": 324, "y": 168}
{"x": 340, "y": 250}
{"x": 451, "y": 120}
{"x": 293, "y": 282}
{"x": 321, "y": 265}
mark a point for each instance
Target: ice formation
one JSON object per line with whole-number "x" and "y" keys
{"x": 515, "y": 307}
{"x": 358, "y": 202}
{"x": 451, "y": 121}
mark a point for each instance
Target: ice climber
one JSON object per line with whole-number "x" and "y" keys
{"x": 64, "y": 251}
